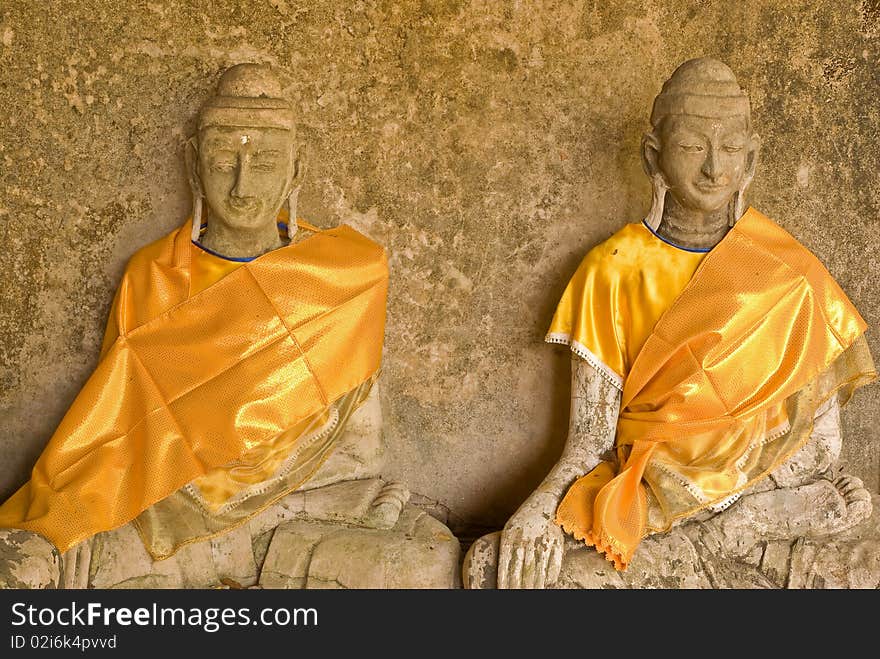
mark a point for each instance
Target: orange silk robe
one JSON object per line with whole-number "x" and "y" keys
{"x": 193, "y": 376}
{"x": 722, "y": 360}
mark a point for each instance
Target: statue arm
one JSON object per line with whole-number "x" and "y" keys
{"x": 595, "y": 404}
{"x": 531, "y": 543}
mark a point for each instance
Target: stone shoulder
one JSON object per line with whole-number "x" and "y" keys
{"x": 618, "y": 256}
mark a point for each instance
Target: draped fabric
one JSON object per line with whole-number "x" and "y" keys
{"x": 617, "y": 295}
{"x": 230, "y": 495}
{"x": 223, "y": 487}
{"x": 722, "y": 390}
{"x": 190, "y": 378}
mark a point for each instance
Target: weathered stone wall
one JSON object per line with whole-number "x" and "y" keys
{"x": 487, "y": 143}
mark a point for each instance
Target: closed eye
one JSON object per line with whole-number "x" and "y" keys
{"x": 691, "y": 148}
{"x": 733, "y": 148}
{"x": 222, "y": 166}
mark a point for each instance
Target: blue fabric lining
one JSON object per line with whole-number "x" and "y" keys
{"x": 701, "y": 250}
{"x": 242, "y": 259}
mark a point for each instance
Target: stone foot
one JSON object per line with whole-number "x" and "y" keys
{"x": 848, "y": 560}
{"x": 28, "y": 560}
{"x": 857, "y": 503}
{"x": 418, "y": 552}
{"x": 386, "y": 507}
{"x": 371, "y": 503}
{"x": 816, "y": 510}
{"x": 837, "y": 506}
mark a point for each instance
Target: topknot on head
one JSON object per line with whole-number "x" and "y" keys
{"x": 249, "y": 81}
{"x": 703, "y": 87}
{"x": 248, "y": 95}
{"x": 703, "y": 75}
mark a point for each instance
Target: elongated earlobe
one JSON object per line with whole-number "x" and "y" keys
{"x": 737, "y": 205}
{"x": 650, "y": 146}
{"x": 196, "y": 219}
{"x": 292, "y": 226}
{"x": 293, "y": 196}
{"x": 191, "y": 156}
{"x": 735, "y": 208}
{"x": 658, "y": 199}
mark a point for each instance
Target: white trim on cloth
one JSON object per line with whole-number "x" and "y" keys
{"x": 584, "y": 353}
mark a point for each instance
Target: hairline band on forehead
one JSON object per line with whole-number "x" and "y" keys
{"x": 700, "y": 106}
{"x": 247, "y": 112}
{"x": 247, "y": 118}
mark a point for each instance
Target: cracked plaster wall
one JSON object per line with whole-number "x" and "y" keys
{"x": 486, "y": 144}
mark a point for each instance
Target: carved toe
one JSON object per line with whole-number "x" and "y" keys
{"x": 387, "y": 506}
{"x": 857, "y": 502}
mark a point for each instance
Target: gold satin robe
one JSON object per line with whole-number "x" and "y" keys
{"x": 213, "y": 380}
{"x": 722, "y": 358}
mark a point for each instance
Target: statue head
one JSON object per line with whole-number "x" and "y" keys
{"x": 243, "y": 160}
{"x": 701, "y": 148}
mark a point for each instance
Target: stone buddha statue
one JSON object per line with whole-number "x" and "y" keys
{"x": 231, "y": 435}
{"x": 711, "y": 354}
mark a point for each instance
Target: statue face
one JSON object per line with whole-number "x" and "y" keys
{"x": 245, "y": 173}
{"x": 705, "y": 160}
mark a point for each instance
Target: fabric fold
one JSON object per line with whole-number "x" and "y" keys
{"x": 723, "y": 389}
{"x": 189, "y": 380}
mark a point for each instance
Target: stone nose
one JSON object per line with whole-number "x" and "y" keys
{"x": 243, "y": 179}
{"x": 712, "y": 167}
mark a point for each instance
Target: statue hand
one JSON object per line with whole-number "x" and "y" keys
{"x": 530, "y": 553}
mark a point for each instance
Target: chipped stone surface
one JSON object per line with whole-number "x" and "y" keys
{"x": 309, "y": 539}
{"x": 488, "y": 145}
{"x": 418, "y": 553}
{"x": 708, "y": 555}
{"x": 27, "y": 560}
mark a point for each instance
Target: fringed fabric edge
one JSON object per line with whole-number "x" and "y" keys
{"x": 610, "y": 548}
{"x": 587, "y": 355}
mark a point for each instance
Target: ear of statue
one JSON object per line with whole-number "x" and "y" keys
{"x": 651, "y": 154}
{"x": 651, "y": 164}
{"x": 754, "y": 153}
{"x": 297, "y": 173}
{"x": 736, "y": 208}
{"x": 191, "y": 156}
